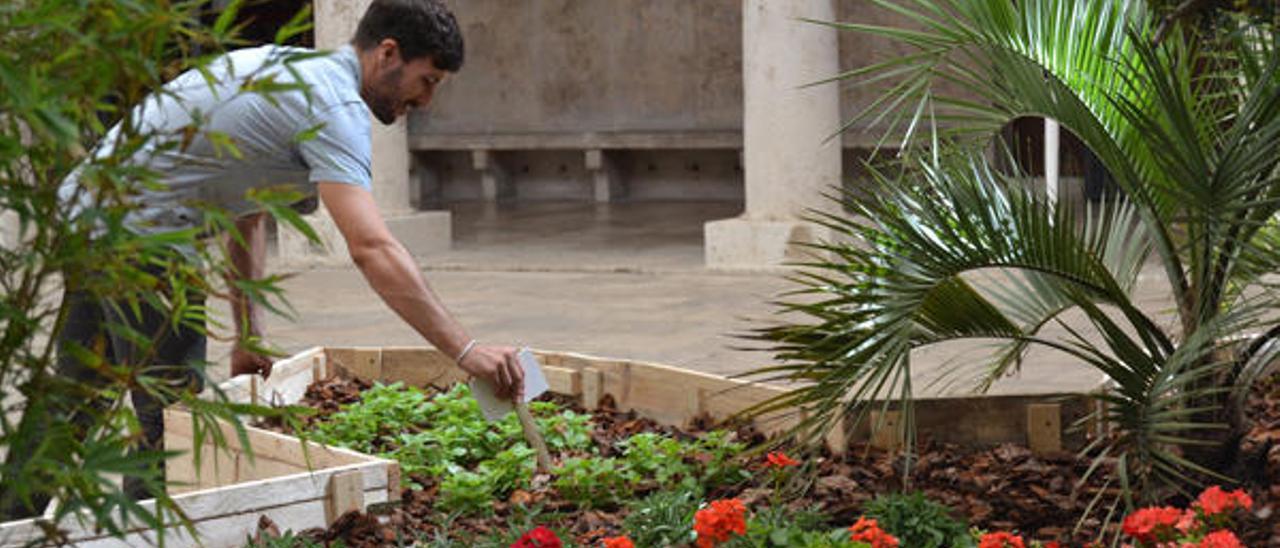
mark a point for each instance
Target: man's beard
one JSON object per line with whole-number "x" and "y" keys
{"x": 381, "y": 97}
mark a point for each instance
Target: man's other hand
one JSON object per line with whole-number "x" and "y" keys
{"x": 499, "y": 366}
{"x": 245, "y": 362}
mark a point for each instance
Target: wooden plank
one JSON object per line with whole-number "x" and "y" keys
{"x": 261, "y": 467}
{"x": 393, "y": 481}
{"x": 239, "y": 389}
{"x": 270, "y": 445}
{"x": 248, "y": 498}
{"x": 886, "y": 429}
{"x": 599, "y": 377}
{"x": 563, "y": 380}
{"x": 548, "y": 358}
{"x": 339, "y": 359}
{"x": 216, "y": 467}
{"x": 647, "y": 388}
{"x": 725, "y": 397}
{"x": 255, "y": 385}
{"x": 345, "y": 493}
{"x": 1044, "y": 427}
{"x": 289, "y": 379}
{"x": 420, "y": 367}
{"x": 227, "y": 531}
{"x": 319, "y": 366}
{"x": 694, "y": 405}
{"x": 838, "y": 437}
{"x": 592, "y": 387}
{"x": 361, "y": 362}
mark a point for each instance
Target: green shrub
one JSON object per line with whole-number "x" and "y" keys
{"x": 784, "y": 528}
{"x": 655, "y": 457}
{"x": 918, "y": 521}
{"x": 562, "y": 430}
{"x": 717, "y": 452}
{"x": 445, "y": 436}
{"x": 509, "y": 468}
{"x": 664, "y": 518}
{"x": 466, "y": 492}
{"x": 361, "y": 426}
{"x": 592, "y": 482}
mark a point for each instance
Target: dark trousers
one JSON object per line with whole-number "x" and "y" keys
{"x": 173, "y": 355}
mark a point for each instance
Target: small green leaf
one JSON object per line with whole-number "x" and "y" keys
{"x": 227, "y": 17}
{"x": 309, "y": 133}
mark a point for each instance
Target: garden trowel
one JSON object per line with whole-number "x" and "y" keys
{"x": 495, "y": 408}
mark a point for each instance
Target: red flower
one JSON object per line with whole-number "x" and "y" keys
{"x": 1214, "y": 501}
{"x": 539, "y": 537}
{"x": 868, "y": 531}
{"x": 1221, "y": 539}
{"x": 780, "y": 460}
{"x": 618, "y": 542}
{"x": 1151, "y": 524}
{"x": 1001, "y": 540}
{"x": 720, "y": 520}
{"x": 1052, "y": 544}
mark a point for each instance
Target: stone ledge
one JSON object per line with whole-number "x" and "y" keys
{"x": 740, "y": 243}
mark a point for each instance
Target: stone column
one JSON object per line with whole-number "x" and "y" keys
{"x": 422, "y": 232}
{"x": 787, "y": 165}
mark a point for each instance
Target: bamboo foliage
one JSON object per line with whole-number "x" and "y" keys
{"x": 69, "y": 70}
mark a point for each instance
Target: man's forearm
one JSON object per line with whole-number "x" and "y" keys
{"x": 394, "y": 275}
{"x": 247, "y": 263}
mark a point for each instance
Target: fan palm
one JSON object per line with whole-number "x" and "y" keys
{"x": 944, "y": 247}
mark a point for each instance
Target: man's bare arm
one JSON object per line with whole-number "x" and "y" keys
{"x": 392, "y": 272}
{"x": 248, "y": 261}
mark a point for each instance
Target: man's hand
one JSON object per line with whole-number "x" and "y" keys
{"x": 245, "y": 362}
{"x": 499, "y": 366}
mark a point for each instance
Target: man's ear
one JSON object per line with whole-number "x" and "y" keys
{"x": 388, "y": 51}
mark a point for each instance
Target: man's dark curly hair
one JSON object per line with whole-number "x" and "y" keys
{"x": 421, "y": 28}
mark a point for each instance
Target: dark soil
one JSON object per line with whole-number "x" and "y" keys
{"x": 1002, "y": 488}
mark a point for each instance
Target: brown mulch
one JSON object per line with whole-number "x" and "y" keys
{"x": 1259, "y": 462}
{"x": 1001, "y": 488}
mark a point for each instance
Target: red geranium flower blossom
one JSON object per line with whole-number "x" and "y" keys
{"x": 1152, "y": 524}
{"x": 539, "y": 537}
{"x": 1052, "y": 544}
{"x": 1215, "y": 500}
{"x": 868, "y": 531}
{"x": 779, "y": 459}
{"x": 618, "y": 542}
{"x": 1001, "y": 540}
{"x": 720, "y": 520}
{"x": 1221, "y": 539}
{"x": 1187, "y": 522}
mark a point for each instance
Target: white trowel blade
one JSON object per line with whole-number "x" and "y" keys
{"x": 535, "y": 384}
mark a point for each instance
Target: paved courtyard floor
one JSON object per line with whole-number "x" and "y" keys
{"x": 624, "y": 281}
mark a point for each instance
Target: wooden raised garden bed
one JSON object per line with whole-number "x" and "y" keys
{"x": 227, "y": 494}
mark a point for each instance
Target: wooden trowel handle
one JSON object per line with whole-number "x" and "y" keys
{"x": 534, "y": 437}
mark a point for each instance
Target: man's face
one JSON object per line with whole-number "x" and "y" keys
{"x": 394, "y": 86}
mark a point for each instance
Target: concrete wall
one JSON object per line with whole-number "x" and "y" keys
{"x": 658, "y": 82}
{"x": 539, "y": 66}
{"x": 601, "y": 65}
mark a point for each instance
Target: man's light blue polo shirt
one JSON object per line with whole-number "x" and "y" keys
{"x": 265, "y": 129}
